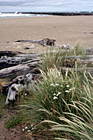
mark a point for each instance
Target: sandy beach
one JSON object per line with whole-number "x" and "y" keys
{"x": 58, "y": 81}
{"x": 64, "y": 29}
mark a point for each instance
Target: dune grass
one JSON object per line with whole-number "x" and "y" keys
{"x": 59, "y": 58}
{"x": 79, "y": 49}
{"x": 63, "y": 105}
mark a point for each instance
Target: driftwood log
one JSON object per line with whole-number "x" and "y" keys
{"x": 87, "y": 59}
{"x": 21, "y": 82}
{"x": 89, "y": 51}
{"x": 23, "y": 68}
{"x": 6, "y": 61}
{"x": 8, "y": 53}
{"x": 44, "y": 42}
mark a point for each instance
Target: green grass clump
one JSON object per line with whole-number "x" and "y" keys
{"x": 50, "y": 60}
{"x": 79, "y": 50}
{"x": 60, "y": 58}
{"x": 2, "y": 104}
{"x": 63, "y": 105}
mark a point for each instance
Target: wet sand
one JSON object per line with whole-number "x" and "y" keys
{"x": 64, "y": 29}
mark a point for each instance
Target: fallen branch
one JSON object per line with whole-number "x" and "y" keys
{"x": 44, "y": 42}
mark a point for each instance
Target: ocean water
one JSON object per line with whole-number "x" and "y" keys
{"x": 5, "y": 15}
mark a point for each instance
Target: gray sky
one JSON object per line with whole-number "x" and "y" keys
{"x": 46, "y": 5}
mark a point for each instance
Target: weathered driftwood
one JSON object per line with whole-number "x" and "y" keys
{"x": 18, "y": 84}
{"x": 4, "y": 64}
{"x": 44, "y": 42}
{"x": 28, "y": 66}
{"x": 88, "y": 59}
{"x": 12, "y": 93}
{"x": 24, "y": 68}
{"x": 80, "y": 57}
{"x": 87, "y": 69}
{"x": 8, "y": 53}
{"x": 24, "y": 80}
{"x": 89, "y": 51}
{"x": 6, "y": 61}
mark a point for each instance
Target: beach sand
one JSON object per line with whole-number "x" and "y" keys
{"x": 64, "y": 29}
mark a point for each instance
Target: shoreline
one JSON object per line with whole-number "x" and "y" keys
{"x": 41, "y": 16}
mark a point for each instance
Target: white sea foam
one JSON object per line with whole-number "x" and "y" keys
{"x": 5, "y": 15}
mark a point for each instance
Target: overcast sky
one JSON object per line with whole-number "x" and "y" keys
{"x": 46, "y": 5}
